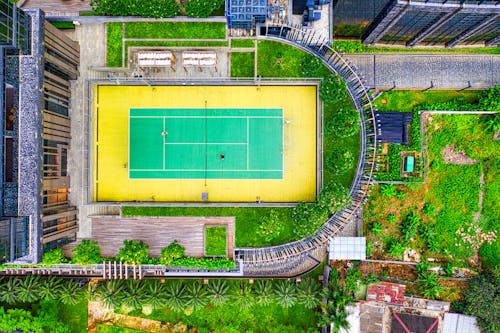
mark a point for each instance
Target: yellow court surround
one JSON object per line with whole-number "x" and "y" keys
{"x": 110, "y": 169}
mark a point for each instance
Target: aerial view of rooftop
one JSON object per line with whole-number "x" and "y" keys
{"x": 229, "y": 166}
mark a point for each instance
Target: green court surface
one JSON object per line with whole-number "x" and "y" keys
{"x": 210, "y": 143}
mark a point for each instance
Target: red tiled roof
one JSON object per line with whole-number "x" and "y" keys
{"x": 386, "y": 292}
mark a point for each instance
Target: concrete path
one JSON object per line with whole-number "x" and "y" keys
{"x": 423, "y": 71}
{"x": 92, "y": 39}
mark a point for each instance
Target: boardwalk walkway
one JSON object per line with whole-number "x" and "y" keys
{"x": 428, "y": 71}
{"x": 110, "y": 231}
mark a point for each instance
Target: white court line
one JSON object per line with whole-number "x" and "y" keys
{"x": 202, "y": 117}
{"x": 164, "y": 139}
{"x": 248, "y": 143}
{"x": 200, "y": 170}
{"x": 203, "y": 143}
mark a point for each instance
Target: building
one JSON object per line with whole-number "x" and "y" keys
{"x": 436, "y": 23}
{"x": 37, "y": 64}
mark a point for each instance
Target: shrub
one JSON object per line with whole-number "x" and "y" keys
{"x": 55, "y": 256}
{"x": 133, "y": 252}
{"x": 376, "y": 227}
{"x": 388, "y": 190}
{"x": 409, "y": 226}
{"x": 207, "y": 263}
{"x": 345, "y": 46}
{"x": 332, "y": 89}
{"x": 271, "y": 226}
{"x": 172, "y": 252}
{"x": 392, "y": 218}
{"x": 87, "y": 252}
{"x": 396, "y": 249}
{"x": 308, "y": 218}
{"x": 429, "y": 209}
{"x": 482, "y": 299}
{"x": 339, "y": 161}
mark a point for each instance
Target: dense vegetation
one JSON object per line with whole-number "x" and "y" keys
{"x": 114, "y": 44}
{"x": 265, "y": 305}
{"x": 155, "y": 8}
{"x": 441, "y": 218}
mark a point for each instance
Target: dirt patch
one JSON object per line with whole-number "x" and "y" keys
{"x": 458, "y": 157}
{"x": 395, "y": 271}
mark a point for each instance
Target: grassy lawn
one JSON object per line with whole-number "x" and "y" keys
{"x": 408, "y": 100}
{"x": 114, "y": 45}
{"x": 63, "y": 25}
{"x": 242, "y": 64}
{"x": 235, "y": 43}
{"x": 176, "y": 30}
{"x": 247, "y": 220}
{"x": 350, "y": 46}
{"x": 215, "y": 241}
{"x": 75, "y": 316}
{"x": 447, "y": 199}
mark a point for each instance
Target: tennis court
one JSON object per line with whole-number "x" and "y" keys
{"x": 194, "y": 143}
{"x": 208, "y": 143}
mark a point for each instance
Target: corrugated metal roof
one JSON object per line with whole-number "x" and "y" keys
{"x": 347, "y": 248}
{"x": 458, "y": 323}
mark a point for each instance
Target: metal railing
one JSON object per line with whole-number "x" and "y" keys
{"x": 261, "y": 261}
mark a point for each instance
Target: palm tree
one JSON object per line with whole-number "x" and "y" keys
{"x": 285, "y": 293}
{"x": 176, "y": 295}
{"x": 197, "y": 295}
{"x": 308, "y": 293}
{"x": 50, "y": 288}
{"x": 9, "y": 290}
{"x": 263, "y": 290}
{"x": 133, "y": 293}
{"x": 70, "y": 292}
{"x": 29, "y": 289}
{"x": 242, "y": 295}
{"x": 218, "y": 292}
{"x": 110, "y": 293}
{"x": 155, "y": 294}
{"x": 335, "y": 316}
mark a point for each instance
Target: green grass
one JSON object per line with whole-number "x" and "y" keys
{"x": 229, "y": 318}
{"x": 350, "y": 46}
{"x": 242, "y": 64}
{"x": 176, "y": 30}
{"x": 63, "y": 25}
{"x": 280, "y": 60}
{"x": 75, "y": 316}
{"x": 247, "y": 220}
{"x": 407, "y": 100}
{"x": 114, "y": 45}
{"x": 236, "y": 43}
{"x": 215, "y": 241}
{"x": 101, "y": 328}
{"x": 452, "y": 189}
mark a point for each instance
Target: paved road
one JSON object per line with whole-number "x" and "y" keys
{"x": 421, "y": 71}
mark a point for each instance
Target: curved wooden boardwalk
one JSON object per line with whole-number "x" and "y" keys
{"x": 299, "y": 257}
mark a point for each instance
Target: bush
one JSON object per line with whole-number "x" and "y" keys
{"x": 172, "y": 252}
{"x": 339, "y": 161}
{"x": 482, "y": 299}
{"x": 55, "y": 256}
{"x": 396, "y": 249}
{"x": 207, "y": 263}
{"x": 270, "y": 226}
{"x": 150, "y": 8}
{"x": 429, "y": 209}
{"x": 409, "y": 226}
{"x": 201, "y": 8}
{"x": 87, "y": 252}
{"x": 343, "y": 123}
{"x": 345, "y": 46}
{"x": 376, "y": 227}
{"x": 133, "y": 252}
{"x": 332, "y": 89}
{"x": 308, "y": 218}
